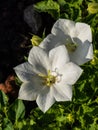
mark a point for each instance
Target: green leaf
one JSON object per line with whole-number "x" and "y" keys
{"x": 50, "y": 7}
{"x": 61, "y": 2}
{"x": 95, "y": 111}
{"x": 94, "y": 126}
{"x": 16, "y": 110}
{"x": 3, "y": 99}
{"x": 7, "y": 125}
{"x": 86, "y": 108}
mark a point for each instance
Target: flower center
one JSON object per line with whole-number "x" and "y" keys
{"x": 71, "y": 47}
{"x": 51, "y": 78}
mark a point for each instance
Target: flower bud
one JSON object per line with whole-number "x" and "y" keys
{"x": 92, "y": 8}
{"x": 36, "y": 40}
{"x": 70, "y": 117}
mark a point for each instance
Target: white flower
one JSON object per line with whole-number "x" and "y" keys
{"x": 47, "y": 77}
{"x": 77, "y": 38}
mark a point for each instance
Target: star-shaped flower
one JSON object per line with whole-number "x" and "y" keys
{"x": 77, "y": 38}
{"x": 47, "y": 77}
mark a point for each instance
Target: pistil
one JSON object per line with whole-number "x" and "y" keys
{"x": 71, "y": 47}
{"x": 50, "y": 79}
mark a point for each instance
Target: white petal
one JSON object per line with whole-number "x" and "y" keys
{"x": 45, "y": 99}
{"x": 62, "y": 92}
{"x": 39, "y": 59}
{"x": 64, "y": 25}
{"x": 80, "y": 55}
{"x": 90, "y": 52}
{"x": 84, "y": 32}
{"x": 70, "y": 73}
{"x": 50, "y": 42}
{"x": 24, "y": 71}
{"x": 30, "y": 90}
{"x": 58, "y": 57}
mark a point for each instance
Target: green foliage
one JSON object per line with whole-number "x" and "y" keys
{"x": 3, "y": 100}
{"x": 16, "y": 111}
{"x": 49, "y": 6}
{"x": 76, "y": 10}
{"x": 7, "y": 125}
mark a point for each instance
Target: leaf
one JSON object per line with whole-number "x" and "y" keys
{"x": 50, "y": 7}
{"x": 94, "y": 126}
{"x": 16, "y": 110}
{"x": 3, "y": 99}
{"x": 7, "y": 125}
{"x": 95, "y": 111}
{"x": 61, "y": 2}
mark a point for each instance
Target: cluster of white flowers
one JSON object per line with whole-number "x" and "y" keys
{"x": 53, "y": 66}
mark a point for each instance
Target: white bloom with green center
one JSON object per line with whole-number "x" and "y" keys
{"x": 77, "y": 38}
{"x": 47, "y": 77}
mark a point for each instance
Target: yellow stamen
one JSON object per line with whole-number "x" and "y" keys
{"x": 48, "y": 79}
{"x": 71, "y": 47}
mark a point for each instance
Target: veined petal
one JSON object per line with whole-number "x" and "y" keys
{"x": 30, "y": 90}
{"x": 64, "y": 25}
{"x": 62, "y": 92}
{"x": 50, "y": 42}
{"x": 24, "y": 71}
{"x": 70, "y": 73}
{"x": 84, "y": 50}
{"x": 45, "y": 99}
{"x": 58, "y": 57}
{"x": 39, "y": 60}
{"x": 84, "y": 32}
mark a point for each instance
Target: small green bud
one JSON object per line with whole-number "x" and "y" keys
{"x": 32, "y": 122}
{"x": 70, "y": 118}
{"x": 36, "y": 40}
{"x": 94, "y": 61}
{"x": 92, "y": 8}
{"x": 96, "y": 52}
{"x": 19, "y": 125}
{"x": 24, "y": 122}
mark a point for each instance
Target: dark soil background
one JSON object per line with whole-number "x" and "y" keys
{"x": 15, "y": 35}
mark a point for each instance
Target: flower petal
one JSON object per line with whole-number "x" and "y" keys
{"x": 64, "y": 25}
{"x": 39, "y": 60}
{"x": 68, "y": 27}
{"x": 45, "y": 99}
{"x": 24, "y": 71}
{"x": 84, "y": 50}
{"x": 90, "y": 52}
{"x": 58, "y": 57}
{"x": 70, "y": 73}
{"x": 62, "y": 92}
{"x": 30, "y": 90}
{"x": 50, "y": 42}
{"x": 84, "y": 32}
